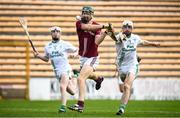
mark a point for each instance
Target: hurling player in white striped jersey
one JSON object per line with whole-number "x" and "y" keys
{"x": 57, "y": 52}
{"x": 127, "y": 63}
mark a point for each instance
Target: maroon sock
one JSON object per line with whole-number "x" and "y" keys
{"x": 97, "y": 80}
{"x": 81, "y": 103}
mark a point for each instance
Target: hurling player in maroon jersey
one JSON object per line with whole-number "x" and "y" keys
{"x": 90, "y": 36}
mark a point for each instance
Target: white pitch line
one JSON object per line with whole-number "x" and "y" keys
{"x": 44, "y": 110}
{"x": 25, "y": 109}
{"x": 157, "y": 112}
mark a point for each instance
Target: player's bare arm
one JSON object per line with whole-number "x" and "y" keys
{"x": 91, "y": 27}
{"x": 109, "y": 31}
{"x": 149, "y": 43}
{"x": 38, "y": 55}
{"x": 100, "y": 38}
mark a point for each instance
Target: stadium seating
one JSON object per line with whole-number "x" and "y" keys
{"x": 154, "y": 20}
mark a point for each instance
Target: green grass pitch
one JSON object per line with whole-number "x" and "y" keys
{"x": 94, "y": 108}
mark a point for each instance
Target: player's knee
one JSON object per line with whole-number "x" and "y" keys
{"x": 127, "y": 87}
{"x": 62, "y": 87}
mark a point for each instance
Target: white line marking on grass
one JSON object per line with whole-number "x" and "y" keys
{"x": 26, "y": 109}
{"x": 167, "y": 112}
{"x": 157, "y": 112}
{"x": 44, "y": 110}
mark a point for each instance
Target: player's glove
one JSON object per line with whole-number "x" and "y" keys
{"x": 108, "y": 27}
{"x": 122, "y": 37}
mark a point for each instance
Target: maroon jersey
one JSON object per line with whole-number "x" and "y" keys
{"x": 87, "y": 45}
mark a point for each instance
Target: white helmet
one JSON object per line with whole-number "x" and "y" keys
{"x": 128, "y": 22}
{"x": 55, "y": 28}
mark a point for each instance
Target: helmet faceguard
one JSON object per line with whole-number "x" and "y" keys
{"x": 87, "y": 12}
{"x": 127, "y": 27}
{"x": 55, "y": 36}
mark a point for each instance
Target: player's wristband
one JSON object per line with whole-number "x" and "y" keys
{"x": 106, "y": 32}
{"x": 103, "y": 27}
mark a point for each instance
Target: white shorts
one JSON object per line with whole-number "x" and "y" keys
{"x": 123, "y": 71}
{"x": 92, "y": 61}
{"x": 58, "y": 73}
